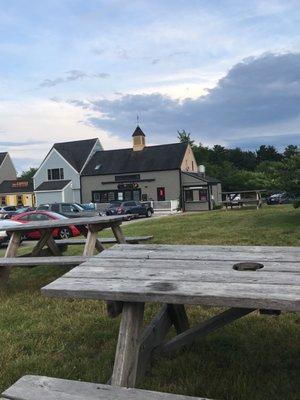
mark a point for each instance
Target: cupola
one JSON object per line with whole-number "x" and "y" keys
{"x": 138, "y": 138}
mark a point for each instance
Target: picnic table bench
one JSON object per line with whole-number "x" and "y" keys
{"x": 242, "y": 278}
{"x": 43, "y": 388}
{"x": 88, "y": 226}
{"x": 128, "y": 239}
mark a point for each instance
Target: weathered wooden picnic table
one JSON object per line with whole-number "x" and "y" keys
{"x": 178, "y": 275}
{"x": 88, "y": 226}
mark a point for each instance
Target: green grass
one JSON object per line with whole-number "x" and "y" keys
{"x": 255, "y": 358}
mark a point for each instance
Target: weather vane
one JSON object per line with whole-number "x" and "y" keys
{"x": 137, "y": 119}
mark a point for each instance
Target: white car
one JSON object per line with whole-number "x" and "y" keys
{"x": 4, "y": 224}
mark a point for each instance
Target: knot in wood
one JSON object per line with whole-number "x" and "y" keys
{"x": 247, "y": 266}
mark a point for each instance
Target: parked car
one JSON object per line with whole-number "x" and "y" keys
{"x": 4, "y": 224}
{"x": 70, "y": 210}
{"x": 41, "y": 215}
{"x": 280, "y": 198}
{"x": 87, "y": 206}
{"x": 129, "y": 208}
{"x": 7, "y": 212}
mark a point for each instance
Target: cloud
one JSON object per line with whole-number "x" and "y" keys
{"x": 21, "y": 143}
{"x": 259, "y": 96}
{"x": 71, "y": 76}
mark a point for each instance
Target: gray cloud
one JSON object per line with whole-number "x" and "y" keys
{"x": 72, "y": 75}
{"x": 20, "y": 143}
{"x": 255, "y": 98}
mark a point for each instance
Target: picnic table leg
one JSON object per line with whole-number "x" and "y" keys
{"x": 127, "y": 352}
{"x": 46, "y": 239}
{"x": 117, "y": 231}
{"x": 114, "y": 308}
{"x": 11, "y": 251}
{"x": 92, "y": 240}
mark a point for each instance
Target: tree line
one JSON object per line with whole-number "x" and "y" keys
{"x": 266, "y": 168}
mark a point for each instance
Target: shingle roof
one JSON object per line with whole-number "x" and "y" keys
{"x": 153, "y": 158}
{"x": 2, "y": 156}
{"x": 138, "y": 132}
{"x": 52, "y": 185}
{"x": 16, "y": 186}
{"x": 205, "y": 178}
{"x": 76, "y": 152}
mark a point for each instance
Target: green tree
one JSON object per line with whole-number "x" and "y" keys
{"x": 27, "y": 175}
{"x": 185, "y": 137}
{"x": 290, "y": 151}
{"x": 267, "y": 153}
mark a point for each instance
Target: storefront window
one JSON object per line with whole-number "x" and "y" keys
{"x": 189, "y": 195}
{"x": 120, "y": 196}
{"x": 203, "y": 194}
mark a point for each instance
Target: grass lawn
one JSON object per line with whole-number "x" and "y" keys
{"x": 255, "y": 358}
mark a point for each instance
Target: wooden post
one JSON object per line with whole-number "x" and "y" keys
{"x": 127, "y": 352}
{"x": 114, "y": 308}
{"x": 53, "y": 247}
{"x": 45, "y": 234}
{"x": 90, "y": 243}
{"x": 178, "y": 317}
{"x": 11, "y": 251}
{"x": 117, "y": 231}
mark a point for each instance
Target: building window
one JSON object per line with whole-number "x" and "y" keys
{"x": 3, "y": 200}
{"x": 20, "y": 199}
{"x": 189, "y": 195}
{"x": 203, "y": 194}
{"x": 55, "y": 174}
{"x": 106, "y": 196}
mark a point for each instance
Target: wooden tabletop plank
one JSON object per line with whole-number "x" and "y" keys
{"x": 218, "y": 248}
{"x": 204, "y": 255}
{"x": 278, "y": 297}
{"x": 271, "y": 266}
{"x": 32, "y": 387}
{"x": 141, "y": 273}
{"x": 176, "y": 274}
{"x": 66, "y": 222}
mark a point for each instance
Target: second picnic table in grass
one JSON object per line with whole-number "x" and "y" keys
{"x": 88, "y": 226}
{"x": 242, "y": 278}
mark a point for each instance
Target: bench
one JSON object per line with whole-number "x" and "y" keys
{"x": 129, "y": 239}
{"x": 71, "y": 261}
{"x": 33, "y": 387}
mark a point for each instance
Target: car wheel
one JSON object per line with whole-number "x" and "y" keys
{"x": 149, "y": 214}
{"x": 64, "y": 233}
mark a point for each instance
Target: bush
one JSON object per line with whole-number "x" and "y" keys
{"x": 297, "y": 203}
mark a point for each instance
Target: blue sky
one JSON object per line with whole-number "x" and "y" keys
{"x": 226, "y": 71}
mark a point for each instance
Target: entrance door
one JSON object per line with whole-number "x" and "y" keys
{"x": 161, "y": 194}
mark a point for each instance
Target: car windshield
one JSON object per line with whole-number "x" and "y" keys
{"x": 79, "y": 207}
{"x": 114, "y": 204}
{"x": 86, "y": 206}
{"x": 21, "y": 210}
{"x": 56, "y": 215}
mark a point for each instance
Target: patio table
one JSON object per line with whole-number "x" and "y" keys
{"x": 88, "y": 226}
{"x": 225, "y": 276}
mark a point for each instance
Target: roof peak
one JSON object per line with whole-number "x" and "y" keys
{"x": 138, "y": 132}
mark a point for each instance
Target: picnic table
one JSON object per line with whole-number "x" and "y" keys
{"x": 88, "y": 226}
{"x": 242, "y": 278}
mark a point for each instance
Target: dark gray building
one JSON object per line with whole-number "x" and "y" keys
{"x": 163, "y": 173}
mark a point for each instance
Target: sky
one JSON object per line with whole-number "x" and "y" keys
{"x": 227, "y": 71}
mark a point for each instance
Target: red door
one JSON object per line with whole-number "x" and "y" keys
{"x": 161, "y": 194}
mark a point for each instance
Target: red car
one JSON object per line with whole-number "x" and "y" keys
{"x": 40, "y": 215}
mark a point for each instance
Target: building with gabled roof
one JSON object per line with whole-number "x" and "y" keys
{"x": 7, "y": 168}
{"x": 58, "y": 177}
{"x": 161, "y": 173}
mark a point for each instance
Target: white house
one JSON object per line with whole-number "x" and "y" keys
{"x": 58, "y": 177}
{"x": 7, "y": 168}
